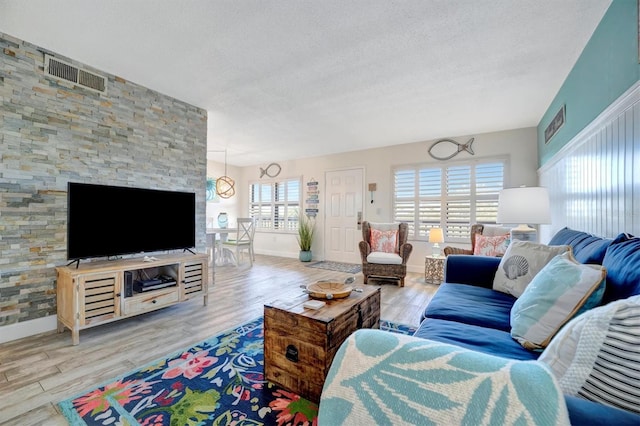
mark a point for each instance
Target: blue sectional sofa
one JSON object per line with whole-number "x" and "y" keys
{"x": 466, "y": 312}
{"x": 374, "y": 369}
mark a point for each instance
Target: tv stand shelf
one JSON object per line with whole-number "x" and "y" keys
{"x": 100, "y": 292}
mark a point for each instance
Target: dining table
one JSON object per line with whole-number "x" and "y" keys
{"x": 220, "y": 255}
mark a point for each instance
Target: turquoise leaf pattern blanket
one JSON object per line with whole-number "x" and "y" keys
{"x": 388, "y": 379}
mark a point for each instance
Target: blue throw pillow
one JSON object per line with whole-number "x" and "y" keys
{"x": 622, "y": 261}
{"x": 592, "y": 249}
{"x": 555, "y": 295}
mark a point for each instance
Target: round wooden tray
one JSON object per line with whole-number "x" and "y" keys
{"x": 329, "y": 290}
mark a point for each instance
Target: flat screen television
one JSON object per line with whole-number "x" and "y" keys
{"x": 104, "y": 220}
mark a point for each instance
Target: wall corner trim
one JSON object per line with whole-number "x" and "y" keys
{"x": 28, "y": 328}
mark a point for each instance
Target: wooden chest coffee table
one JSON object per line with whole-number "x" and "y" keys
{"x": 300, "y": 343}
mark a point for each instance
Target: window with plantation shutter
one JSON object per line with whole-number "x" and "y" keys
{"x": 452, "y": 197}
{"x": 275, "y": 205}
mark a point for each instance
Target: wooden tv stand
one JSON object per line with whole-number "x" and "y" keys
{"x": 100, "y": 292}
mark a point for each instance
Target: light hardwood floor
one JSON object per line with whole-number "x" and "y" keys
{"x": 39, "y": 371}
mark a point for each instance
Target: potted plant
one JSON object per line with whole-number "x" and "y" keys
{"x": 306, "y": 229}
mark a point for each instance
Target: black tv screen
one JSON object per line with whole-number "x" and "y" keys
{"x": 104, "y": 220}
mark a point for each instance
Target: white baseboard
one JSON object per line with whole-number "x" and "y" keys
{"x": 28, "y": 328}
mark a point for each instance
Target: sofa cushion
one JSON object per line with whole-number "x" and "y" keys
{"x": 554, "y": 296}
{"x": 566, "y": 236}
{"x": 471, "y": 305}
{"x": 597, "y": 355}
{"x": 383, "y": 258}
{"x": 476, "y": 270}
{"x": 622, "y": 261}
{"x": 521, "y": 262}
{"x": 590, "y": 249}
{"x": 586, "y": 248}
{"x": 584, "y": 412}
{"x": 482, "y": 339}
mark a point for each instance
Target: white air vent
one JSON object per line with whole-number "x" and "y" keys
{"x": 65, "y": 71}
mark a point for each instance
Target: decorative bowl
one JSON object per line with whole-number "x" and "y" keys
{"x": 329, "y": 290}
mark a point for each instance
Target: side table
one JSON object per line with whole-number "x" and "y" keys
{"x": 434, "y": 269}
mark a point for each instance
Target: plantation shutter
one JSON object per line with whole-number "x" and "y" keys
{"x": 404, "y": 206}
{"x": 458, "y": 202}
{"x": 452, "y": 197}
{"x": 430, "y": 210}
{"x": 275, "y": 204}
{"x": 489, "y": 182}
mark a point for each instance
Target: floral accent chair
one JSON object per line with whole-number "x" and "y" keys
{"x": 384, "y": 250}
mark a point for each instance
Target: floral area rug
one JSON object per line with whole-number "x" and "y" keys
{"x": 219, "y": 381}
{"x": 349, "y": 268}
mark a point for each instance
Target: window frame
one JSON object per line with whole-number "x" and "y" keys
{"x": 418, "y": 206}
{"x": 289, "y": 221}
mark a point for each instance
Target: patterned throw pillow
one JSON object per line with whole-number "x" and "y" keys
{"x": 520, "y": 263}
{"x": 384, "y": 241}
{"x": 491, "y": 246}
{"x": 554, "y": 296}
{"x": 596, "y": 356}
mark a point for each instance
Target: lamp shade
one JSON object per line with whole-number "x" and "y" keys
{"x": 526, "y": 205}
{"x": 436, "y": 235}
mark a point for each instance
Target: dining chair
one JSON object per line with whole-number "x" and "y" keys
{"x": 243, "y": 240}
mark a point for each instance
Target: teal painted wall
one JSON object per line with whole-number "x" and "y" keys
{"x": 607, "y": 67}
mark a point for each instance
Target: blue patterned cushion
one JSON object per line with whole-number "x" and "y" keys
{"x": 554, "y": 296}
{"x": 381, "y": 378}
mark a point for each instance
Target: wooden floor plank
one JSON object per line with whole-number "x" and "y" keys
{"x": 39, "y": 371}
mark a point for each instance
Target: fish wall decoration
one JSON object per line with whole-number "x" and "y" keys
{"x": 272, "y": 170}
{"x": 449, "y": 146}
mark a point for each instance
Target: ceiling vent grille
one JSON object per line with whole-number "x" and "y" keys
{"x": 65, "y": 71}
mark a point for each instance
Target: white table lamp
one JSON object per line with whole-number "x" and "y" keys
{"x": 524, "y": 206}
{"x": 436, "y": 236}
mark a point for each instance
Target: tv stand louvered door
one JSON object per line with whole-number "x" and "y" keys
{"x": 100, "y": 292}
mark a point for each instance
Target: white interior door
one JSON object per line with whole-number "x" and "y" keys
{"x": 344, "y": 209}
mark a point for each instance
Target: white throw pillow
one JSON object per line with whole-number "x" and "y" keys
{"x": 520, "y": 263}
{"x": 597, "y": 355}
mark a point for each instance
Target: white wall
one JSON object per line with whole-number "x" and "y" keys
{"x": 519, "y": 145}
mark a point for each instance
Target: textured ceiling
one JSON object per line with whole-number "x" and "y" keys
{"x": 289, "y": 79}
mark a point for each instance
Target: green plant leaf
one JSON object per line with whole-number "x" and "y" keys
{"x": 306, "y": 230}
{"x": 194, "y": 407}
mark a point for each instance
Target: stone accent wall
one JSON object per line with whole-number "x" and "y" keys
{"x": 52, "y": 132}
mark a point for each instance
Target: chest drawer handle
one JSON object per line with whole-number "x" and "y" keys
{"x": 292, "y": 353}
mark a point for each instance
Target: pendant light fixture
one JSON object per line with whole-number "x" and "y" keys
{"x": 225, "y": 186}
